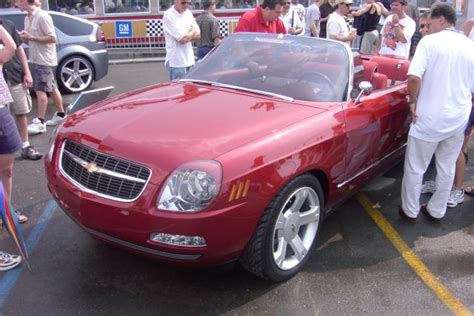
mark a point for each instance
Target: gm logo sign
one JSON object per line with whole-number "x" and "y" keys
{"x": 123, "y": 28}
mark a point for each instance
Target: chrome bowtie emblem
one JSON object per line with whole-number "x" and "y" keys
{"x": 91, "y": 167}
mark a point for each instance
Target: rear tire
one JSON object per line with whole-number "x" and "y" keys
{"x": 287, "y": 231}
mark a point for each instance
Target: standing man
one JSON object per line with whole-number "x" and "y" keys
{"x": 209, "y": 27}
{"x": 40, "y": 35}
{"x": 337, "y": 26}
{"x": 180, "y": 30}
{"x": 397, "y": 31}
{"x": 301, "y": 11}
{"x": 326, "y": 9}
{"x": 313, "y": 15}
{"x": 263, "y": 19}
{"x": 18, "y": 77}
{"x": 291, "y": 19}
{"x": 440, "y": 110}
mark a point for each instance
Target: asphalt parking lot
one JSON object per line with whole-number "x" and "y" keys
{"x": 369, "y": 261}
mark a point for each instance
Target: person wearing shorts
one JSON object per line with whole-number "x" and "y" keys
{"x": 18, "y": 77}
{"x": 9, "y": 138}
{"x": 40, "y": 35}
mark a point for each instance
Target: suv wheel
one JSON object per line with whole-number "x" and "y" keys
{"x": 75, "y": 74}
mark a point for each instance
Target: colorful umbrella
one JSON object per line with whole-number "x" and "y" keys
{"x": 11, "y": 223}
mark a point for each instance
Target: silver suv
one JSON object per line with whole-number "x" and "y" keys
{"x": 82, "y": 56}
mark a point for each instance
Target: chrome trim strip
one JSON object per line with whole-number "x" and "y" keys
{"x": 100, "y": 170}
{"x": 370, "y": 167}
{"x": 141, "y": 248}
{"x": 84, "y": 189}
{"x": 223, "y": 85}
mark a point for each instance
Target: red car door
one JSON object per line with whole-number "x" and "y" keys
{"x": 375, "y": 127}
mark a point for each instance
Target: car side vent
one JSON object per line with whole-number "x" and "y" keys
{"x": 102, "y": 174}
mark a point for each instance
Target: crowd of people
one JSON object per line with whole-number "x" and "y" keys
{"x": 384, "y": 27}
{"x": 15, "y": 81}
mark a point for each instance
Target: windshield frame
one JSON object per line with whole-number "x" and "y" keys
{"x": 277, "y": 73}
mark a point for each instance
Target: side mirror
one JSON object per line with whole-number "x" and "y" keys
{"x": 365, "y": 88}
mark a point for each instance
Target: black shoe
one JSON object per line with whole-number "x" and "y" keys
{"x": 30, "y": 153}
{"x": 430, "y": 217}
{"x": 405, "y": 217}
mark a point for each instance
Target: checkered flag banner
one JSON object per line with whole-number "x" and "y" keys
{"x": 223, "y": 28}
{"x": 154, "y": 28}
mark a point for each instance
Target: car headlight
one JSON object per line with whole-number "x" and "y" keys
{"x": 191, "y": 187}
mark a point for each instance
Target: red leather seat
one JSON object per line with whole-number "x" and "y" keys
{"x": 379, "y": 81}
{"x": 370, "y": 68}
{"x": 395, "y": 69}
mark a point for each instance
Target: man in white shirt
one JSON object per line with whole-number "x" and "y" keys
{"x": 40, "y": 35}
{"x": 180, "y": 29}
{"x": 291, "y": 20}
{"x": 397, "y": 31}
{"x": 337, "y": 27}
{"x": 301, "y": 11}
{"x": 313, "y": 15}
{"x": 440, "y": 87}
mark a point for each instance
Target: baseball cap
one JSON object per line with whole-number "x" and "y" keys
{"x": 344, "y": 1}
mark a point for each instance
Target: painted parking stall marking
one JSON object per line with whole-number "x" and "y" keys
{"x": 9, "y": 279}
{"x": 412, "y": 259}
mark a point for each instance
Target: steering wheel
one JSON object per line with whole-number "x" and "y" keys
{"x": 327, "y": 89}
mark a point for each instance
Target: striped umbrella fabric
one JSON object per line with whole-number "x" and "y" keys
{"x": 11, "y": 224}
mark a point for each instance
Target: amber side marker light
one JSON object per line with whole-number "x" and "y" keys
{"x": 239, "y": 190}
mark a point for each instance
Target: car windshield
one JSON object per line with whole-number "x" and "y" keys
{"x": 294, "y": 67}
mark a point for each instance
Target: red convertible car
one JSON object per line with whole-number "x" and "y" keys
{"x": 240, "y": 160}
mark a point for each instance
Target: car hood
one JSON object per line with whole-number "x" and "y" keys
{"x": 168, "y": 124}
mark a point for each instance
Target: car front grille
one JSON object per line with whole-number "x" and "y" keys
{"x": 108, "y": 176}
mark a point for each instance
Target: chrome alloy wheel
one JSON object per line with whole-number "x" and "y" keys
{"x": 76, "y": 74}
{"x": 296, "y": 227}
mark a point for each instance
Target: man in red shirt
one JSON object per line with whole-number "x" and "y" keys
{"x": 263, "y": 19}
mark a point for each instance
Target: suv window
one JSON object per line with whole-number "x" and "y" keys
{"x": 70, "y": 26}
{"x": 17, "y": 19}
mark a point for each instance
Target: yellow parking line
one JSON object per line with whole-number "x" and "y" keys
{"x": 412, "y": 259}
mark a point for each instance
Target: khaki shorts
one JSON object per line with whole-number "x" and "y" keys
{"x": 21, "y": 99}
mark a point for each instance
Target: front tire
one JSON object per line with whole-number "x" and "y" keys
{"x": 286, "y": 233}
{"x": 75, "y": 74}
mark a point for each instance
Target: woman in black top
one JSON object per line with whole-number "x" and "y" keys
{"x": 326, "y": 9}
{"x": 370, "y": 15}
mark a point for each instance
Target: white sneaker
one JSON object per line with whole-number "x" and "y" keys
{"x": 428, "y": 187}
{"x": 55, "y": 120}
{"x": 455, "y": 197}
{"x": 8, "y": 261}
{"x": 36, "y": 127}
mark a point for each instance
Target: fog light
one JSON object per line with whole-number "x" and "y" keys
{"x": 178, "y": 240}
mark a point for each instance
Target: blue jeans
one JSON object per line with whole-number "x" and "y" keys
{"x": 202, "y": 51}
{"x": 177, "y": 72}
